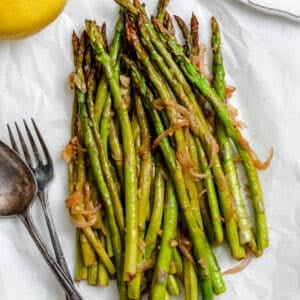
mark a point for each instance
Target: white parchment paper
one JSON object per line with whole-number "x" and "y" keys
{"x": 289, "y": 9}
{"x": 262, "y": 60}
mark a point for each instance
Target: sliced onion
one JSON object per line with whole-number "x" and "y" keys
{"x": 229, "y": 90}
{"x": 168, "y": 132}
{"x": 75, "y": 81}
{"x": 68, "y": 153}
{"x": 85, "y": 224}
{"x": 239, "y": 124}
{"x": 198, "y": 175}
{"x": 184, "y": 160}
{"x": 257, "y": 162}
{"x": 72, "y": 78}
{"x": 233, "y": 111}
{"x": 237, "y": 158}
{"x": 87, "y": 194}
{"x": 159, "y": 104}
{"x": 240, "y": 267}
{"x": 185, "y": 252}
{"x": 202, "y": 66}
{"x": 73, "y": 199}
{"x": 70, "y": 150}
{"x": 195, "y": 60}
{"x": 85, "y": 212}
{"x": 125, "y": 81}
{"x": 202, "y": 193}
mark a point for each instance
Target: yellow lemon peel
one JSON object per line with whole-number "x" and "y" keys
{"x": 21, "y": 18}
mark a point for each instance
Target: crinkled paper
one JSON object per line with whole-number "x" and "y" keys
{"x": 261, "y": 54}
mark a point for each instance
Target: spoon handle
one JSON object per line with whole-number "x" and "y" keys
{"x": 62, "y": 278}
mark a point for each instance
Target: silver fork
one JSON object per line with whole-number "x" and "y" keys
{"x": 44, "y": 174}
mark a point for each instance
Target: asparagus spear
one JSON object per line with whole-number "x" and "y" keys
{"x": 245, "y": 230}
{"x": 116, "y": 150}
{"x": 104, "y": 124}
{"x": 144, "y": 188}
{"x": 178, "y": 261}
{"x": 172, "y": 285}
{"x": 137, "y": 141}
{"x": 103, "y": 276}
{"x": 89, "y": 257}
{"x": 157, "y": 213}
{"x": 131, "y": 235}
{"x": 186, "y": 35}
{"x": 80, "y": 268}
{"x": 195, "y": 35}
{"x": 103, "y": 89}
{"x": 160, "y": 277}
{"x": 190, "y": 280}
{"x": 148, "y": 238}
{"x": 161, "y": 9}
{"x": 92, "y": 274}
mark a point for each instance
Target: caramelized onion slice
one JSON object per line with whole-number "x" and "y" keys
{"x": 85, "y": 212}
{"x": 69, "y": 152}
{"x": 168, "y": 132}
{"x": 73, "y": 199}
{"x": 257, "y": 162}
{"x": 229, "y": 90}
{"x": 241, "y": 266}
{"x": 84, "y": 224}
{"x": 159, "y": 104}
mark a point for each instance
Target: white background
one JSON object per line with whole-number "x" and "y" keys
{"x": 262, "y": 60}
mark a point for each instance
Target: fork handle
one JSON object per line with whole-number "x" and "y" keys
{"x": 62, "y": 278}
{"x": 43, "y": 195}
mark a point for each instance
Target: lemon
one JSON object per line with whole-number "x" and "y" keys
{"x": 21, "y": 18}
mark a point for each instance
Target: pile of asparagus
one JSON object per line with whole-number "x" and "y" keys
{"x": 152, "y": 160}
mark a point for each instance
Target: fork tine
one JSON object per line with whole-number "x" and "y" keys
{"x": 12, "y": 139}
{"x": 44, "y": 147}
{"x": 24, "y": 146}
{"x": 32, "y": 142}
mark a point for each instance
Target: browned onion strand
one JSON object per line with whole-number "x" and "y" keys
{"x": 88, "y": 212}
{"x": 73, "y": 199}
{"x": 257, "y": 162}
{"x": 160, "y": 104}
{"x": 240, "y": 267}
{"x": 168, "y": 132}
{"x": 229, "y": 90}
{"x": 85, "y": 224}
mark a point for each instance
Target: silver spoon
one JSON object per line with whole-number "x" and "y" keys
{"x": 18, "y": 190}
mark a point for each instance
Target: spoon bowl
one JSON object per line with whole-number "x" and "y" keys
{"x": 18, "y": 189}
